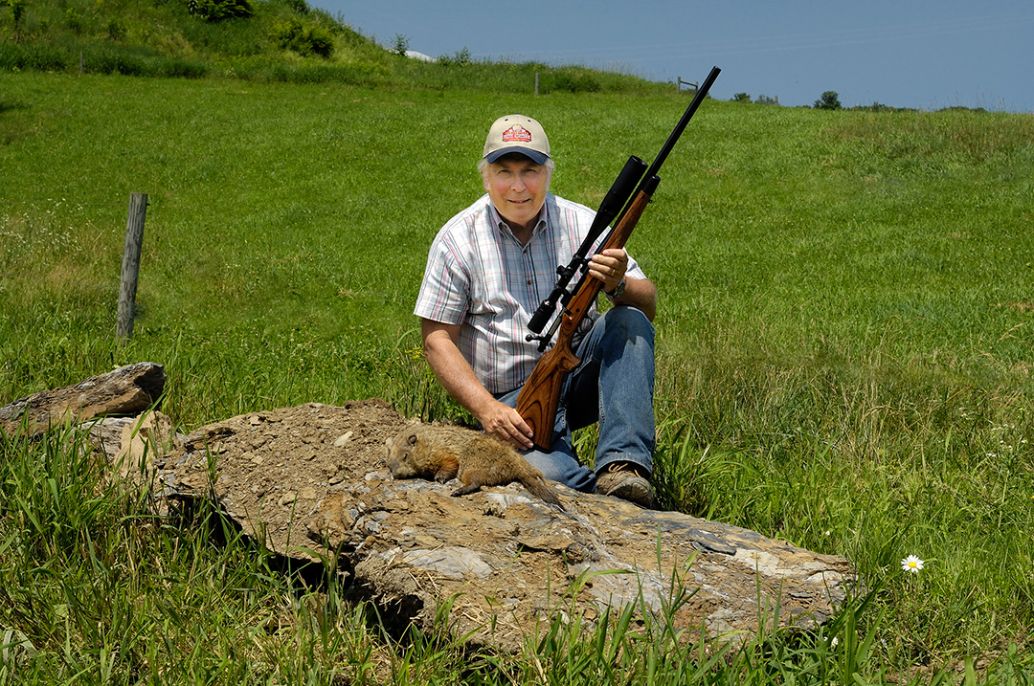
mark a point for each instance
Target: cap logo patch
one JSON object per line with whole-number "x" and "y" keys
{"x": 516, "y": 134}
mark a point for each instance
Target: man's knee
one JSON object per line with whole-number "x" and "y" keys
{"x": 628, "y": 323}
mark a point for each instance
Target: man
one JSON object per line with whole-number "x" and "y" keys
{"x": 488, "y": 269}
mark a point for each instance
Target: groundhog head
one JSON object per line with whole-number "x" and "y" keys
{"x": 400, "y": 454}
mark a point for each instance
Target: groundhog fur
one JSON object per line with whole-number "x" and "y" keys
{"x": 475, "y": 458}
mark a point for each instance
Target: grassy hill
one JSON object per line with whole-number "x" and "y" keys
{"x": 271, "y": 40}
{"x": 844, "y": 355}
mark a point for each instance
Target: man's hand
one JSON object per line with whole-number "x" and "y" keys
{"x": 456, "y": 375}
{"x": 503, "y": 422}
{"x": 609, "y": 266}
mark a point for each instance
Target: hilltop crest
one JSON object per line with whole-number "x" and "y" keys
{"x": 264, "y": 40}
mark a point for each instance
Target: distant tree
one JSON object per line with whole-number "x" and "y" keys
{"x": 299, "y": 6}
{"x": 766, "y": 100}
{"x": 401, "y": 45}
{"x": 461, "y": 59}
{"x": 17, "y": 15}
{"x": 877, "y": 106}
{"x": 220, "y": 10}
{"x": 741, "y": 97}
{"x": 116, "y": 30}
{"x": 829, "y": 101}
{"x": 304, "y": 38}
{"x": 73, "y": 20}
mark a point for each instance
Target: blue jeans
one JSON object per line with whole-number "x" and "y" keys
{"x": 613, "y": 385}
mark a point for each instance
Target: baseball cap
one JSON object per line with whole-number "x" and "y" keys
{"x": 517, "y": 133}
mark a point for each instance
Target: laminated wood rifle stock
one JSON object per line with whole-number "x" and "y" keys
{"x": 539, "y": 397}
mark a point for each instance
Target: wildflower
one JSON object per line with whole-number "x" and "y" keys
{"x": 834, "y": 642}
{"x": 911, "y": 564}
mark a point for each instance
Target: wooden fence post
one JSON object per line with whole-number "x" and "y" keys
{"x": 131, "y": 264}
{"x": 536, "y": 83}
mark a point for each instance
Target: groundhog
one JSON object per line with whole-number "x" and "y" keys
{"x": 477, "y": 459}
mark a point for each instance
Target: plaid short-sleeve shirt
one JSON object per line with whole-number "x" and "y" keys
{"x": 480, "y": 276}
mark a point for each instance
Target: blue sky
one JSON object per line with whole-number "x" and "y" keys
{"x": 922, "y": 54}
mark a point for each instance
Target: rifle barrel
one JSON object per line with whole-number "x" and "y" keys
{"x": 616, "y": 203}
{"x": 676, "y": 133}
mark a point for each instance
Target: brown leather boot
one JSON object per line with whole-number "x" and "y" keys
{"x": 626, "y": 481}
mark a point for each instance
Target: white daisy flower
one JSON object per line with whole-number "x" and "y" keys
{"x": 911, "y": 564}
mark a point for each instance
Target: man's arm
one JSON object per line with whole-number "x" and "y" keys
{"x": 458, "y": 378}
{"x": 641, "y": 294}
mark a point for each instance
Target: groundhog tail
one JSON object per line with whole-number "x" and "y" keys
{"x": 538, "y": 487}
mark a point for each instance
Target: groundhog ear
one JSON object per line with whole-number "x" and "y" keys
{"x": 412, "y": 439}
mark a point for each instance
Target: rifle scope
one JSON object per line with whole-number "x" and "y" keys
{"x": 612, "y": 203}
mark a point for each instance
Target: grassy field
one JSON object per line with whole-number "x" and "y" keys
{"x": 845, "y": 341}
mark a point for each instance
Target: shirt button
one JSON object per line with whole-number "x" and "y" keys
{"x": 529, "y": 282}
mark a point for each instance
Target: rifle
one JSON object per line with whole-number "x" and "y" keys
{"x": 538, "y": 399}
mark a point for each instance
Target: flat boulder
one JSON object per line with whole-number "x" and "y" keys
{"x": 312, "y": 481}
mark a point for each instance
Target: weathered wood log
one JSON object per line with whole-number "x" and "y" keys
{"x": 127, "y": 390}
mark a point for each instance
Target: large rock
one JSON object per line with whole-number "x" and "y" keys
{"x": 309, "y": 479}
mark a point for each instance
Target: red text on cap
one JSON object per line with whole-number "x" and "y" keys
{"x": 516, "y": 134}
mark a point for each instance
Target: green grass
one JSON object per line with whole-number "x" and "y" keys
{"x": 844, "y": 357}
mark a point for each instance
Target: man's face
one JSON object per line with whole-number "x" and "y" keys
{"x": 517, "y": 187}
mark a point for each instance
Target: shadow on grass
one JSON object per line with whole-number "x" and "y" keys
{"x": 10, "y": 106}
